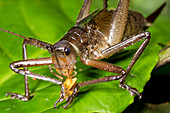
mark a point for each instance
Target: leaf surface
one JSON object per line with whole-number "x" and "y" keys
{"x": 49, "y": 21}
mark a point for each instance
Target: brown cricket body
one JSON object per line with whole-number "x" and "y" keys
{"x": 92, "y": 38}
{"x": 95, "y": 36}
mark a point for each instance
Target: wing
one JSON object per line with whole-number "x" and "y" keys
{"x": 101, "y": 21}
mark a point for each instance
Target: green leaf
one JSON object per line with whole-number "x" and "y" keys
{"x": 164, "y": 54}
{"x": 49, "y": 21}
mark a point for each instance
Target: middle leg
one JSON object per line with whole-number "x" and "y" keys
{"x": 106, "y": 67}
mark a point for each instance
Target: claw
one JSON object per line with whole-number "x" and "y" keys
{"x": 69, "y": 101}
{"x": 132, "y": 75}
{"x": 17, "y": 96}
{"x": 132, "y": 91}
{"x": 59, "y": 100}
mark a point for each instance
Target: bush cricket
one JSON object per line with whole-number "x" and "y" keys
{"x": 95, "y": 36}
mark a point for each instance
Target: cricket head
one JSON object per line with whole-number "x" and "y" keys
{"x": 64, "y": 58}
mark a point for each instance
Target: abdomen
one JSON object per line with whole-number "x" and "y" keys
{"x": 135, "y": 24}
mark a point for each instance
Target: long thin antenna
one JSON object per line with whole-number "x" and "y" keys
{"x": 14, "y": 34}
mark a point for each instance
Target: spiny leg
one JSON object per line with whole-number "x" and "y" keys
{"x": 105, "y": 4}
{"x": 118, "y": 22}
{"x": 122, "y": 74}
{"x": 135, "y": 58}
{"x": 84, "y": 10}
{"x": 25, "y": 68}
{"x": 33, "y": 62}
{"x": 122, "y": 45}
{"x": 28, "y": 63}
{"x": 144, "y": 35}
{"x": 25, "y": 97}
{"x": 106, "y": 67}
{"x": 32, "y": 42}
{"x": 108, "y": 52}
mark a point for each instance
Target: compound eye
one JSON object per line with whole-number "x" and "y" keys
{"x": 67, "y": 51}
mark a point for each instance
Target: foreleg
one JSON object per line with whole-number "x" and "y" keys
{"x": 28, "y": 63}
